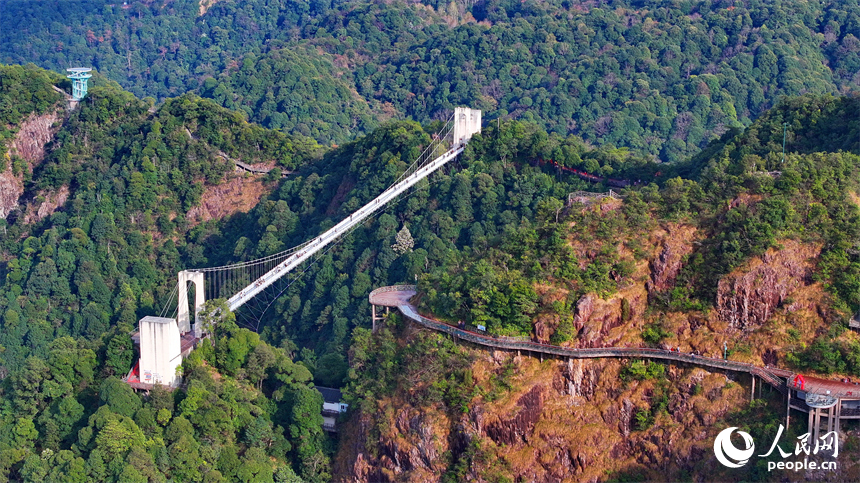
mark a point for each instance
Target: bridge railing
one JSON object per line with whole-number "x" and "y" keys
{"x": 343, "y": 227}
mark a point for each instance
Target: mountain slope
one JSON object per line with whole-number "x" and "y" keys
{"x": 97, "y": 225}
{"x": 763, "y": 261}
{"x": 663, "y": 78}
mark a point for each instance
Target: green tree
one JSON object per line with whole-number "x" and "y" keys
{"x": 306, "y": 430}
{"x": 119, "y": 396}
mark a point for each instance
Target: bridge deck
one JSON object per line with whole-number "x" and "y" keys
{"x": 344, "y": 226}
{"x": 448, "y": 143}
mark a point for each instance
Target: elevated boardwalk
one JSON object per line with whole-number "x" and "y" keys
{"x": 240, "y": 166}
{"x": 399, "y": 295}
{"x": 827, "y": 401}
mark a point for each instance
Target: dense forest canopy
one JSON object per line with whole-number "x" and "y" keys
{"x": 478, "y": 236}
{"x": 663, "y": 77}
{"x": 132, "y": 176}
{"x": 344, "y": 96}
{"x": 75, "y": 283}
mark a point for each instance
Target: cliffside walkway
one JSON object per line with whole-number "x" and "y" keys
{"x": 399, "y": 295}
{"x": 251, "y": 169}
{"x": 247, "y": 167}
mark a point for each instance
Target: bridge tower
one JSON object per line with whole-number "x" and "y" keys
{"x": 165, "y": 341}
{"x": 466, "y": 123}
{"x": 183, "y": 316}
{"x": 79, "y": 76}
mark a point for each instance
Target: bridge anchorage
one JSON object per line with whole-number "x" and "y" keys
{"x": 165, "y": 341}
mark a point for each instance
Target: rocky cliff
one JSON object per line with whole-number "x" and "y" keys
{"x": 29, "y": 145}
{"x": 675, "y": 243}
{"x": 550, "y": 420}
{"x": 559, "y": 421}
{"x": 747, "y": 298}
{"x": 239, "y": 192}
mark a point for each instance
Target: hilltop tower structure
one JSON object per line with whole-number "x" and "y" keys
{"x": 79, "y": 77}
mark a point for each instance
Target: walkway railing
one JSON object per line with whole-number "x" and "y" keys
{"x": 589, "y": 197}
{"x": 509, "y": 343}
{"x": 391, "y": 288}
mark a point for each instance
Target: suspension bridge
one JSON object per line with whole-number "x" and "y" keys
{"x": 164, "y": 341}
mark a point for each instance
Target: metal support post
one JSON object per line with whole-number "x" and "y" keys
{"x": 752, "y": 392}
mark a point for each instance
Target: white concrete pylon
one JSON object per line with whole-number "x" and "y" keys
{"x": 183, "y": 318}
{"x": 466, "y": 123}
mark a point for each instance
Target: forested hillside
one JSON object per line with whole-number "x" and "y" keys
{"x": 745, "y": 201}
{"x": 104, "y": 222}
{"x": 296, "y": 90}
{"x": 103, "y": 204}
{"x": 662, "y": 77}
{"x": 468, "y": 208}
{"x": 756, "y": 253}
{"x": 129, "y": 178}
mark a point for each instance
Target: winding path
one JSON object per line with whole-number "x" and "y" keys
{"x": 399, "y": 295}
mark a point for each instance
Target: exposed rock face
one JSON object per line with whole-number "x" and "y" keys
{"x": 52, "y": 202}
{"x": 410, "y": 448}
{"x": 570, "y": 420}
{"x": 518, "y": 428}
{"x": 236, "y": 194}
{"x": 584, "y": 309}
{"x": 599, "y": 322}
{"x": 746, "y": 300}
{"x": 676, "y": 245}
{"x": 205, "y": 5}
{"x": 580, "y": 378}
{"x": 35, "y": 132}
{"x": 11, "y": 188}
{"x": 545, "y": 326}
{"x": 547, "y": 435}
{"x": 29, "y": 144}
